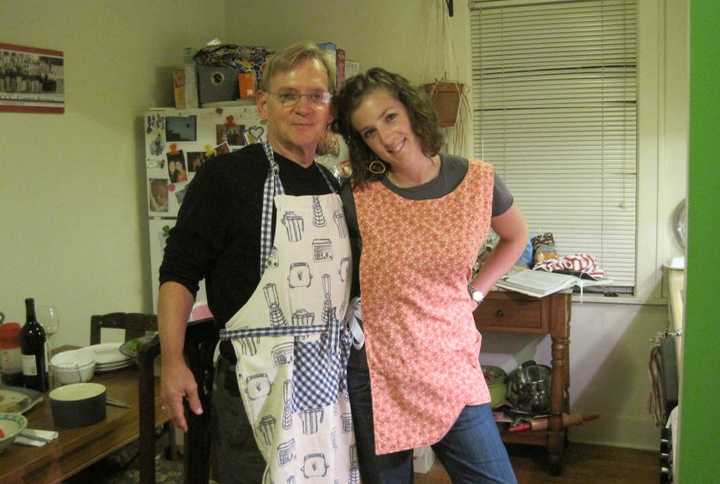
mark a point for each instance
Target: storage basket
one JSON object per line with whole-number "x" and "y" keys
{"x": 445, "y": 96}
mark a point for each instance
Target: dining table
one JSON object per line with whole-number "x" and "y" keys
{"x": 77, "y": 448}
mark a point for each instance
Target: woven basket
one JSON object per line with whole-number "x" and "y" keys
{"x": 445, "y": 96}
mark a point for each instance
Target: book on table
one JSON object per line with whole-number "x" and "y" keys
{"x": 542, "y": 283}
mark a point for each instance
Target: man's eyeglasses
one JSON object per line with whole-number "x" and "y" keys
{"x": 291, "y": 98}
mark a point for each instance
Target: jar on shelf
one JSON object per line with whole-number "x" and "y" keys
{"x": 10, "y": 355}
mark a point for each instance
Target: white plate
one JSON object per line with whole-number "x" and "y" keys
{"x": 121, "y": 364}
{"x": 106, "y": 353}
{"x": 114, "y": 366}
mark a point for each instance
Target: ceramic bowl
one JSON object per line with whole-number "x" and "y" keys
{"x": 11, "y": 425}
{"x": 80, "y": 374}
{"x": 78, "y": 404}
{"x": 496, "y": 380}
{"x": 76, "y": 366}
{"x": 73, "y": 358}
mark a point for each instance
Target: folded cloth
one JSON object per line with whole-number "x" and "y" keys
{"x": 580, "y": 264}
{"x": 20, "y": 439}
{"x": 37, "y": 434}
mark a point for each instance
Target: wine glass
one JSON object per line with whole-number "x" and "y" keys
{"x": 49, "y": 319}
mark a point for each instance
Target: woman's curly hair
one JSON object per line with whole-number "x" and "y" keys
{"x": 419, "y": 108}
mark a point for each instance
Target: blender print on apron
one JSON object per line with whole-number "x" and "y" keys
{"x": 291, "y": 342}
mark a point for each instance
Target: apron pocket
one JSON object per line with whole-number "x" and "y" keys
{"x": 318, "y": 375}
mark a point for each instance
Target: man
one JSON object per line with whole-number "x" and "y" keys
{"x": 277, "y": 301}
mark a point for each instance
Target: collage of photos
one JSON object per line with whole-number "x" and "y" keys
{"x": 237, "y": 135}
{"x": 177, "y": 170}
{"x": 178, "y": 144}
{"x": 195, "y": 160}
{"x": 158, "y": 194}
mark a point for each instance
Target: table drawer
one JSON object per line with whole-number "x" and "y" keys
{"x": 513, "y": 313}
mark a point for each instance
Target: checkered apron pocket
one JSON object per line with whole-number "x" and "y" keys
{"x": 320, "y": 373}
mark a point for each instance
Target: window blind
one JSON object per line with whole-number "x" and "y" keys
{"x": 555, "y": 110}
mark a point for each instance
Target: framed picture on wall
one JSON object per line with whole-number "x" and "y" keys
{"x": 31, "y": 80}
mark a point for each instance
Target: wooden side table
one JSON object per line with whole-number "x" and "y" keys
{"x": 511, "y": 312}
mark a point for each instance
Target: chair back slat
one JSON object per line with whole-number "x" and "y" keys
{"x": 134, "y": 324}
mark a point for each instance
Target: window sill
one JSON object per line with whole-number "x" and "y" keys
{"x": 621, "y": 299}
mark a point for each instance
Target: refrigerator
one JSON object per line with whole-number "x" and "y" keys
{"x": 177, "y": 143}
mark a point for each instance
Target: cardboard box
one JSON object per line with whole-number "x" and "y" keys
{"x": 179, "y": 89}
{"x": 217, "y": 83}
{"x": 351, "y": 68}
{"x": 340, "y": 68}
{"x": 246, "y": 84}
{"x": 330, "y": 51}
{"x": 191, "y": 92}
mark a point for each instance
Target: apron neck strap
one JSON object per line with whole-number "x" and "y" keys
{"x": 327, "y": 180}
{"x": 273, "y": 186}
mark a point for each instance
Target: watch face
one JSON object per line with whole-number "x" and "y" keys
{"x": 477, "y": 296}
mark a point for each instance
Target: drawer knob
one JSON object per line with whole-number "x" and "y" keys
{"x": 499, "y": 313}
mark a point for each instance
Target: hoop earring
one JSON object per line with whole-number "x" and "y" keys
{"x": 377, "y": 167}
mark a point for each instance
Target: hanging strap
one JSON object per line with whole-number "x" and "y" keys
{"x": 327, "y": 180}
{"x": 273, "y": 186}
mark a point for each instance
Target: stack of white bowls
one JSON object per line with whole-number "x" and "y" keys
{"x": 75, "y": 366}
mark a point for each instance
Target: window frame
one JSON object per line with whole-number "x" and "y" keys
{"x": 651, "y": 241}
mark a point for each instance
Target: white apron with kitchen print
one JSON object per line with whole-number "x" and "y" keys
{"x": 292, "y": 345}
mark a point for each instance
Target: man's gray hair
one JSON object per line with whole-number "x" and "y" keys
{"x": 288, "y": 58}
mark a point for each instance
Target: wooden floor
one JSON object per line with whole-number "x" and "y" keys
{"x": 582, "y": 464}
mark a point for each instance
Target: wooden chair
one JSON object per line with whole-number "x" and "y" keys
{"x": 134, "y": 324}
{"x": 200, "y": 340}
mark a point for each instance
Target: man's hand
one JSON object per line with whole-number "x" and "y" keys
{"x": 174, "y": 306}
{"x": 177, "y": 382}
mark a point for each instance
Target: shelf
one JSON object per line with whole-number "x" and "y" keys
{"x": 536, "y": 437}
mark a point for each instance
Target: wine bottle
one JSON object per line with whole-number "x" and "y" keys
{"x": 32, "y": 348}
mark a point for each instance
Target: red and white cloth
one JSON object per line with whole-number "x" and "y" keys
{"x": 581, "y": 264}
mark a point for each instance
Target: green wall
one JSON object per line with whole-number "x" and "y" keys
{"x": 700, "y": 401}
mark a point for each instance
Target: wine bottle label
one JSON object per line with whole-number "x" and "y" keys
{"x": 29, "y": 367}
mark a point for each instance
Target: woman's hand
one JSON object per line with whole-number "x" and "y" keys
{"x": 511, "y": 227}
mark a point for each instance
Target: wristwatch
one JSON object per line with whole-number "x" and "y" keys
{"x": 476, "y": 294}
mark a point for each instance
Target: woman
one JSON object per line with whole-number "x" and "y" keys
{"x": 419, "y": 218}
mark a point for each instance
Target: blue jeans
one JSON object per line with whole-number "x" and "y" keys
{"x": 471, "y": 452}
